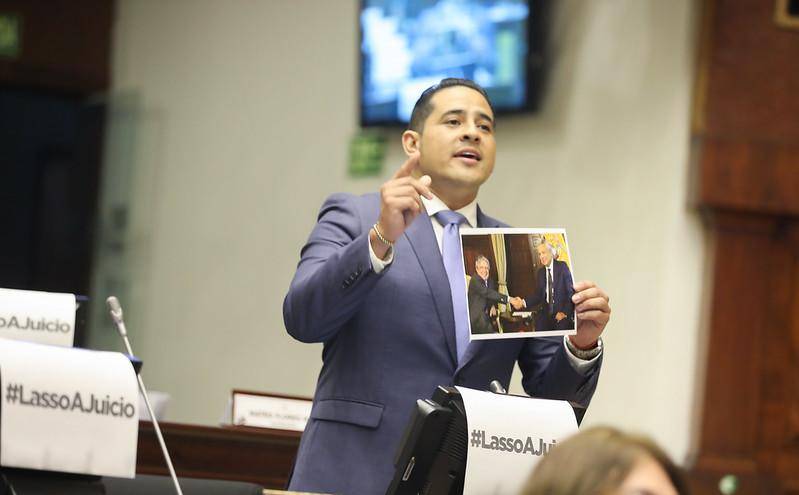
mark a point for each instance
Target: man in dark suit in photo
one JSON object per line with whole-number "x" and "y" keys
{"x": 483, "y": 297}
{"x": 381, "y": 284}
{"x": 553, "y": 292}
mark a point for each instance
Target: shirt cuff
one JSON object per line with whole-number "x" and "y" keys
{"x": 379, "y": 265}
{"x": 581, "y": 366}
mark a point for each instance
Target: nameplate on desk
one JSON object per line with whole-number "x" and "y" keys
{"x": 33, "y": 316}
{"x": 270, "y": 411}
{"x": 67, "y": 410}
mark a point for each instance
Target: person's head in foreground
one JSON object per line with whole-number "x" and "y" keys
{"x": 606, "y": 461}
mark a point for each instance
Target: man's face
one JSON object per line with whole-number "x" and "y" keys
{"x": 482, "y": 269}
{"x": 544, "y": 255}
{"x": 457, "y": 146}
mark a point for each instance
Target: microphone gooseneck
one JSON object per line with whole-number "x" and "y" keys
{"x": 115, "y": 309}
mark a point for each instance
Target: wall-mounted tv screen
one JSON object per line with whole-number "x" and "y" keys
{"x": 409, "y": 45}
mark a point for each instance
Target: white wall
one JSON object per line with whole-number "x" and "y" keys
{"x": 244, "y": 113}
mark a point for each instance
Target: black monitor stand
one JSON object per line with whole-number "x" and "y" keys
{"x": 432, "y": 455}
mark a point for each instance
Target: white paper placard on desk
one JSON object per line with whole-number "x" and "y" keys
{"x": 68, "y": 410}
{"x": 43, "y": 317}
{"x": 531, "y": 267}
{"x": 507, "y": 437}
{"x": 270, "y": 411}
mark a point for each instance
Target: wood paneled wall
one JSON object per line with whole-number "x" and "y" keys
{"x": 746, "y": 151}
{"x": 65, "y": 45}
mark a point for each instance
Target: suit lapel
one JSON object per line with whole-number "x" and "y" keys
{"x": 475, "y": 346}
{"x": 423, "y": 242}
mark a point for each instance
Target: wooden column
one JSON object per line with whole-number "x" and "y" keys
{"x": 746, "y": 150}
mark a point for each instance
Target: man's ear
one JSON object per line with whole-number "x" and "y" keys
{"x": 410, "y": 142}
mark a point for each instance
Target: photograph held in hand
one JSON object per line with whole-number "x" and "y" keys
{"x": 520, "y": 283}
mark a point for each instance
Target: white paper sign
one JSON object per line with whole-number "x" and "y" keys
{"x": 270, "y": 412}
{"x": 507, "y": 437}
{"x": 69, "y": 410}
{"x": 43, "y": 317}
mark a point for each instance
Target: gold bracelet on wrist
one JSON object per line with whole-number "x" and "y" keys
{"x": 380, "y": 236}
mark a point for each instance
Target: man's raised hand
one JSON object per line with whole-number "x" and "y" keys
{"x": 400, "y": 203}
{"x": 592, "y": 306}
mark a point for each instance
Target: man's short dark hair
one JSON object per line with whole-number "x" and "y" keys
{"x": 423, "y": 107}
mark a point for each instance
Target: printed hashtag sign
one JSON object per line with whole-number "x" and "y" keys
{"x": 477, "y": 437}
{"x": 33, "y": 316}
{"x": 11, "y": 393}
{"x": 68, "y": 410}
{"x": 508, "y": 435}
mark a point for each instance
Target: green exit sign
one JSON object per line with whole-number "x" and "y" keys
{"x": 366, "y": 155}
{"x": 10, "y": 35}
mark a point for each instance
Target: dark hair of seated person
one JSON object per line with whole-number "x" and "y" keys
{"x": 597, "y": 461}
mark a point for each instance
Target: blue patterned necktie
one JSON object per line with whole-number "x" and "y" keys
{"x": 453, "y": 264}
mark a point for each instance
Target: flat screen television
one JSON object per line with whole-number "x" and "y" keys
{"x": 407, "y": 46}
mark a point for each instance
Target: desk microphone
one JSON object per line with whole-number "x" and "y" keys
{"x": 496, "y": 387}
{"x": 116, "y": 314}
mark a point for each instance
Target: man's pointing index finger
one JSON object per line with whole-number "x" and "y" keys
{"x": 407, "y": 168}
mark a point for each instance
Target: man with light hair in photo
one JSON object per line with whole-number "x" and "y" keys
{"x": 553, "y": 293}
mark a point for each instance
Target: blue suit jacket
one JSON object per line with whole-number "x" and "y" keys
{"x": 389, "y": 339}
{"x": 563, "y": 286}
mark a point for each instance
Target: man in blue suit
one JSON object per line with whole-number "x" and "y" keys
{"x": 553, "y": 292}
{"x": 373, "y": 287}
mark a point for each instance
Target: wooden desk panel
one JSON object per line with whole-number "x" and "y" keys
{"x": 256, "y": 455}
